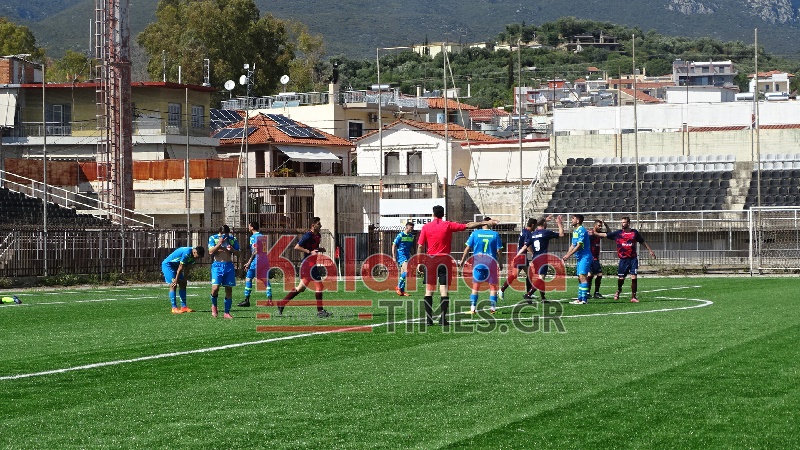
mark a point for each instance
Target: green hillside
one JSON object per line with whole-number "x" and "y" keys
{"x": 356, "y": 28}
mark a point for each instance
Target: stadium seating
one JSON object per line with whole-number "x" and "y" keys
{"x": 779, "y": 187}
{"x": 19, "y": 209}
{"x": 666, "y": 183}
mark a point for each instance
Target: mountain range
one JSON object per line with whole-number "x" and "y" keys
{"x": 356, "y": 28}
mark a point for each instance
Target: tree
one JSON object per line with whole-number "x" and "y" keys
{"x": 229, "y": 34}
{"x": 17, "y": 39}
{"x": 306, "y": 70}
{"x": 73, "y": 67}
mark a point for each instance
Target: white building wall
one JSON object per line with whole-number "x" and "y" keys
{"x": 737, "y": 143}
{"x": 404, "y": 141}
{"x": 672, "y": 116}
{"x": 500, "y": 162}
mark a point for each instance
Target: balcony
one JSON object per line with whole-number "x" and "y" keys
{"x": 392, "y": 98}
{"x": 143, "y": 127}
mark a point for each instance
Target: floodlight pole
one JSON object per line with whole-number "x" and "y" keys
{"x": 635, "y": 127}
{"x": 519, "y": 122}
{"x": 44, "y": 168}
{"x": 246, "y": 138}
{"x": 380, "y": 120}
{"x": 186, "y": 175}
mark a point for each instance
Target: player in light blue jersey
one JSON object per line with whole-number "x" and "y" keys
{"x": 582, "y": 249}
{"x": 401, "y": 251}
{"x": 221, "y": 247}
{"x": 258, "y": 263}
{"x": 485, "y": 244}
{"x": 174, "y": 268}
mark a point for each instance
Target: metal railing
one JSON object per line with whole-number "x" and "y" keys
{"x": 33, "y": 190}
{"x": 142, "y": 127}
{"x": 323, "y": 98}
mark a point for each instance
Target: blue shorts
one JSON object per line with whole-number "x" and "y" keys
{"x": 596, "y": 268}
{"x": 401, "y": 258}
{"x": 223, "y": 274}
{"x": 252, "y": 273}
{"x": 481, "y": 273}
{"x": 628, "y": 266}
{"x": 584, "y": 265}
{"x": 169, "y": 272}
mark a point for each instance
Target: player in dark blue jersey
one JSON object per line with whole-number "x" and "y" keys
{"x": 309, "y": 246}
{"x": 596, "y": 271}
{"x": 538, "y": 244}
{"x": 401, "y": 251}
{"x": 521, "y": 261}
{"x": 485, "y": 244}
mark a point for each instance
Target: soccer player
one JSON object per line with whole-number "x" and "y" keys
{"x": 436, "y": 236}
{"x": 485, "y": 244}
{"x": 521, "y": 261}
{"x": 221, "y": 247}
{"x": 251, "y": 265}
{"x": 401, "y": 251}
{"x": 309, "y": 246}
{"x": 583, "y": 256}
{"x": 538, "y": 243}
{"x": 174, "y": 268}
{"x": 626, "y": 239}
{"x": 13, "y": 299}
{"x": 596, "y": 271}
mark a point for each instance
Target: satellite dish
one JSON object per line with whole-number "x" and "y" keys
{"x": 285, "y": 79}
{"x": 229, "y": 85}
{"x": 243, "y": 80}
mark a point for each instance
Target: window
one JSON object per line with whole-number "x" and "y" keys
{"x": 198, "y": 117}
{"x": 174, "y": 115}
{"x": 414, "y": 163}
{"x": 59, "y": 119}
{"x": 355, "y": 129}
{"x": 391, "y": 163}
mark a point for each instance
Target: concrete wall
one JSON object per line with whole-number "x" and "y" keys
{"x": 673, "y": 116}
{"x": 738, "y": 143}
{"x": 498, "y": 202}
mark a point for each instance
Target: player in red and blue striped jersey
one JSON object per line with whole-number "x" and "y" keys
{"x": 596, "y": 271}
{"x": 627, "y": 239}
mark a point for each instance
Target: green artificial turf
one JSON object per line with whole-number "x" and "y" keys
{"x": 674, "y": 371}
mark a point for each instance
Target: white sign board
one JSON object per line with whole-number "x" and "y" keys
{"x": 396, "y": 212}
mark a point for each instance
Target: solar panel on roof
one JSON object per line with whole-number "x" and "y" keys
{"x": 221, "y": 118}
{"x": 281, "y": 119}
{"x": 233, "y": 133}
{"x": 298, "y": 131}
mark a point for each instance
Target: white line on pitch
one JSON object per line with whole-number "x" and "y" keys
{"x": 296, "y": 336}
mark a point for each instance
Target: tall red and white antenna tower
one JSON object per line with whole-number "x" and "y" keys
{"x": 113, "y": 101}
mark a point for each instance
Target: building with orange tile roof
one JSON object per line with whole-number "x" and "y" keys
{"x": 279, "y": 146}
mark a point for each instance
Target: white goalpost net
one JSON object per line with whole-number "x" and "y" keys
{"x": 774, "y": 239}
